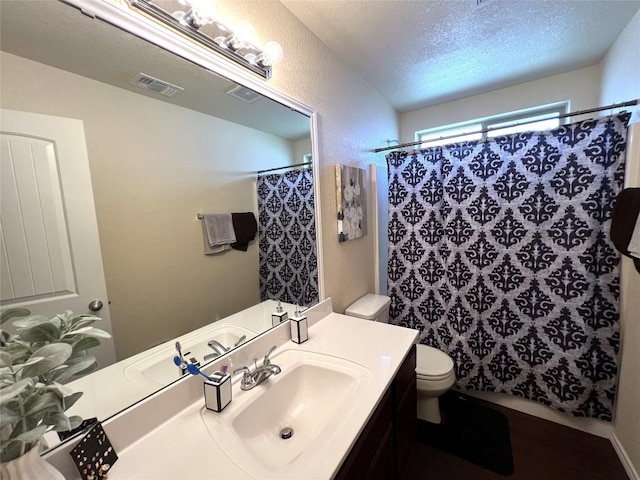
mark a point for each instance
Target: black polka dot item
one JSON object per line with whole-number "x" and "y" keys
{"x": 94, "y": 455}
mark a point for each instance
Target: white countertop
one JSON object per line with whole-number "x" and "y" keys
{"x": 127, "y": 386}
{"x": 183, "y": 448}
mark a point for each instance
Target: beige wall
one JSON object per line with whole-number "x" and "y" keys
{"x": 580, "y": 87}
{"x": 621, "y": 82}
{"x": 301, "y": 148}
{"x": 353, "y": 119}
{"x": 154, "y": 166}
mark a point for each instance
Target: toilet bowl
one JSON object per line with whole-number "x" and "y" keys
{"x": 434, "y": 368}
{"x": 434, "y": 375}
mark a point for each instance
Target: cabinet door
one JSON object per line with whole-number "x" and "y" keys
{"x": 405, "y": 426}
{"x": 364, "y": 453}
{"x": 382, "y": 467}
{"x": 405, "y": 414}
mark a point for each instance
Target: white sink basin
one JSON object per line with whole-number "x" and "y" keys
{"x": 311, "y": 396}
{"x": 157, "y": 367}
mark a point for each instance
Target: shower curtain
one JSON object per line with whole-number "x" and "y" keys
{"x": 499, "y": 253}
{"x": 287, "y": 237}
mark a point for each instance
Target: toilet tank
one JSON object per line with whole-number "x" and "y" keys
{"x": 372, "y": 307}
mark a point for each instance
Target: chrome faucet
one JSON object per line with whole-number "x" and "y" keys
{"x": 260, "y": 374}
{"x": 218, "y": 349}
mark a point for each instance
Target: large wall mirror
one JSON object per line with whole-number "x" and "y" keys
{"x": 155, "y": 162}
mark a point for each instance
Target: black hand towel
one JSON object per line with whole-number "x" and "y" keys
{"x": 246, "y": 227}
{"x": 623, "y": 222}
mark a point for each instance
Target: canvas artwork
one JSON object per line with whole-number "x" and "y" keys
{"x": 352, "y": 204}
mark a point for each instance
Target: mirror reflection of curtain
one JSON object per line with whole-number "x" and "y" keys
{"x": 499, "y": 253}
{"x": 287, "y": 237}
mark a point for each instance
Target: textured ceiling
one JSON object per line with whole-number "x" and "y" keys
{"x": 424, "y": 52}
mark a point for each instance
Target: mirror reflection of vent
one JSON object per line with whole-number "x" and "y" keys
{"x": 147, "y": 82}
{"x": 245, "y": 94}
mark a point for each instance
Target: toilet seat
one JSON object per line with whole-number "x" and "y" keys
{"x": 432, "y": 364}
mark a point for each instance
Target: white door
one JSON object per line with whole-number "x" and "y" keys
{"x": 50, "y": 259}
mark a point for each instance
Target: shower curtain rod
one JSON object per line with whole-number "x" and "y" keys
{"x": 282, "y": 168}
{"x": 485, "y": 130}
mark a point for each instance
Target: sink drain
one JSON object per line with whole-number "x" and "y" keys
{"x": 286, "y": 433}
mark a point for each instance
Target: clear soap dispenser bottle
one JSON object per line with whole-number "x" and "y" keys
{"x": 279, "y": 315}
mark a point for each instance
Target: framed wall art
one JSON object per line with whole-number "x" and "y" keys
{"x": 351, "y": 201}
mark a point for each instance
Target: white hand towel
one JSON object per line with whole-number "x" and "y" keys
{"x": 218, "y": 232}
{"x": 634, "y": 243}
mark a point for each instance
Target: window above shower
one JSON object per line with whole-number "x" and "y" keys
{"x": 544, "y": 117}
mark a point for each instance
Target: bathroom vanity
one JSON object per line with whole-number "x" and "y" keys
{"x": 383, "y": 448}
{"x": 348, "y": 393}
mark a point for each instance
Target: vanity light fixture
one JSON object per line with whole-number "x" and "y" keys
{"x": 234, "y": 44}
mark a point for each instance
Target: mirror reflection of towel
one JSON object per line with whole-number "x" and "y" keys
{"x": 218, "y": 232}
{"x": 625, "y": 233}
{"x": 245, "y": 227}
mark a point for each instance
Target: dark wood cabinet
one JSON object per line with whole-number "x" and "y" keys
{"x": 384, "y": 447}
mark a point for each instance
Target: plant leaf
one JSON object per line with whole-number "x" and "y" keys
{"x": 39, "y": 402}
{"x": 43, "y": 332}
{"x": 10, "y": 313}
{"x": 31, "y": 361}
{"x": 30, "y": 321}
{"x": 76, "y": 332}
{"x": 18, "y": 350}
{"x": 74, "y": 367}
{"x": 69, "y": 400}
{"x": 11, "y": 449}
{"x": 5, "y": 359}
{"x": 88, "y": 331}
{"x": 17, "y": 388}
{"x": 97, "y": 332}
{"x": 54, "y": 354}
{"x": 75, "y": 421}
{"x": 33, "y": 435}
{"x": 59, "y": 421}
{"x": 85, "y": 344}
{"x": 9, "y": 414}
{"x": 81, "y": 321}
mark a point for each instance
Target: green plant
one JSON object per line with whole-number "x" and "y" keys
{"x": 34, "y": 363}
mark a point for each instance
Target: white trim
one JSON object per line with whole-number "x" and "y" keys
{"x": 375, "y": 224}
{"x": 379, "y": 187}
{"x": 624, "y": 458}
{"x": 316, "y": 195}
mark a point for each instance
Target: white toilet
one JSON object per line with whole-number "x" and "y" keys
{"x": 434, "y": 368}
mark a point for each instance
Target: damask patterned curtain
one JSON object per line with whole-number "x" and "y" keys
{"x": 287, "y": 237}
{"x": 499, "y": 253}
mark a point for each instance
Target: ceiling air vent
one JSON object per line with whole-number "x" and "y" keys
{"x": 245, "y": 94}
{"x": 147, "y": 82}
{"x": 482, "y": 3}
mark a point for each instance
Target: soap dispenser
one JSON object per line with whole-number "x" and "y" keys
{"x": 279, "y": 315}
{"x": 217, "y": 390}
{"x": 299, "y": 327}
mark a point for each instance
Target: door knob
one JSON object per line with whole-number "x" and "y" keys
{"x": 95, "y": 305}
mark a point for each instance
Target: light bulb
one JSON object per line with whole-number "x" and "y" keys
{"x": 271, "y": 53}
{"x": 206, "y": 9}
{"x": 244, "y": 32}
{"x": 201, "y": 12}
